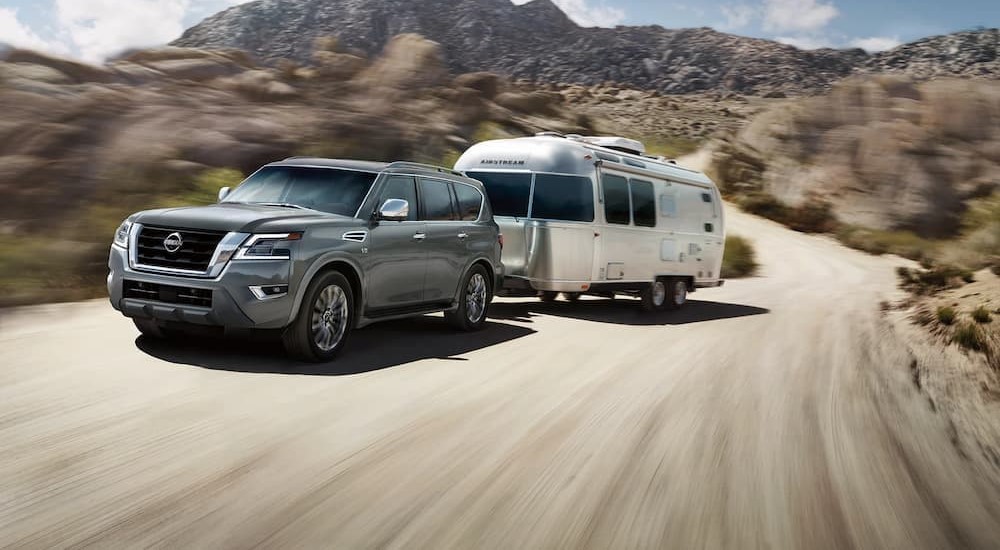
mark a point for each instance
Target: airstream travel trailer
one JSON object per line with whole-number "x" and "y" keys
{"x": 597, "y": 215}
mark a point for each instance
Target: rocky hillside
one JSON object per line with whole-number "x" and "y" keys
{"x": 536, "y": 41}
{"x": 82, "y": 146}
{"x": 964, "y": 54}
{"x": 887, "y": 153}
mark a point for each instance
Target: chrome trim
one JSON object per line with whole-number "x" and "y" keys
{"x": 356, "y": 236}
{"x": 254, "y": 239}
{"x": 258, "y": 292}
{"x": 223, "y": 253}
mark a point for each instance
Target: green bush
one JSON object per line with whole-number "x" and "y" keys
{"x": 981, "y": 315}
{"x": 764, "y": 205}
{"x": 878, "y": 242}
{"x": 946, "y": 315}
{"x": 739, "y": 259}
{"x": 969, "y": 336}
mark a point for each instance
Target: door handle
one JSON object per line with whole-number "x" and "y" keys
{"x": 463, "y": 236}
{"x": 419, "y": 236}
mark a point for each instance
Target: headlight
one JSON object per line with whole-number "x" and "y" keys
{"x": 268, "y": 247}
{"x": 122, "y": 233}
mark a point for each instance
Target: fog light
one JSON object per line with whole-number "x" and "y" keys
{"x": 269, "y": 292}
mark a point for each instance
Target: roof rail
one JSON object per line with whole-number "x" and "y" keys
{"x": 407, "y": 164}
{"x": 299, "y": 157}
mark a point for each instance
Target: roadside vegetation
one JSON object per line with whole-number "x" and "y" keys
{"x": 739, "y": 259}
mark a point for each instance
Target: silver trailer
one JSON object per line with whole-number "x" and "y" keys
{"x": 595, "y": 215}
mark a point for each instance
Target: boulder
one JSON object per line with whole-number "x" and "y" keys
{"x": 408, "y": 61}
{"x": 198, "y": 70}
{"x": 259, "y": 85}
{"x": 488, "y": 84}
{"x": 74, "y": 70}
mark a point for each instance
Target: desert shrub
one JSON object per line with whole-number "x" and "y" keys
{"x": 813, "y": 216}
{"x": 901, "y": 243}
{"x": 739, "y": 259}
{"x": 981, "y": 315}
{"x": 969, "y": 336}
{"x": 764, "y": 205}
{"x": 946, "y": 315}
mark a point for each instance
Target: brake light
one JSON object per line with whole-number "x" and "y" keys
{"x": 500, "y": 239}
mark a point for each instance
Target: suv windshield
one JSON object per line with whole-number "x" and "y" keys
{"x": 326, "y": 189}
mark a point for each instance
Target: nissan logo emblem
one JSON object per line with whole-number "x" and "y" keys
{"x": 173, "y": 242}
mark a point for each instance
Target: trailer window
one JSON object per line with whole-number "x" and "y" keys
{"x": 569, "y": 198}
{"x": 616, "y": 205}
{"x": 643, "y": 203}
{"x": 508, "y": 192}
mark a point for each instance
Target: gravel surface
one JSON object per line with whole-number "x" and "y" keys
{"x": 775, "y": 412}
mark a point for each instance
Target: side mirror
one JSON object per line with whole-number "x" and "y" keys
{"x": 223, "y": 193}
{"x": 394, "y": 210}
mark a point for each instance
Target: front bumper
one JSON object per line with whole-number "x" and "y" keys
{"x": 233, "y": 302}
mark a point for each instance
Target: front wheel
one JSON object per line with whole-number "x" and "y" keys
{"x": 151, "y": 329}
{"x": 473, "y": 302}
{"x": 324, "y": 321}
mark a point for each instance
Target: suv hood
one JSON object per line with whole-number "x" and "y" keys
{"x": 244, "y": 218}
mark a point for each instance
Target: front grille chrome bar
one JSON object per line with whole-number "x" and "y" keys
{"x": 224, "y": 252}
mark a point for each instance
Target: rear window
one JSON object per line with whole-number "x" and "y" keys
{"x": 569, "y": 198}
{"x": 508, "y": 192}
{"x": 469, "y": 202}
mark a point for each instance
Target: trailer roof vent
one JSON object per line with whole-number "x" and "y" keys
{"x": 617, "y": 143}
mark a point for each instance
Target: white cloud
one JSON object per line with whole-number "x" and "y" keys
{"x": 738, "y": 15}
{"x": 586, "y": 15}
{"x": 97, "y": 29}
{"x": 797, "y": 15}
{"x": 15, "y": 33}
{"x": 876, "y": 43}
{"x": 805, "y": 42}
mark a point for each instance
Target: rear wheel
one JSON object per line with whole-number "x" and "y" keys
{"x": 473, "y": 303}
{"x": 324, "y": 321}
{"x": 548, "y": 296}
{"x": 654, "y": 297}
{"x": 677, "y": 293}
{"x": 572, "y": 296}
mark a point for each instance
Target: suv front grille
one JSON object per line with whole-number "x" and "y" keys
{"x": 168, "y": 293}
{"x": 195, "y": 252}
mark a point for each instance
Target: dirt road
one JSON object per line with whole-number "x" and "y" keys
{"x": 776, "y": 412}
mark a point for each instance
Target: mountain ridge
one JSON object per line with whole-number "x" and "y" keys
{"x": 537, "y": 41}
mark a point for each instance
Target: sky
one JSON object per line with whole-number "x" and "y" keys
{"x": 93, "y": 30}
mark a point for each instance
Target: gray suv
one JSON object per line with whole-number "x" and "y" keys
{"x": 314, "y": 247}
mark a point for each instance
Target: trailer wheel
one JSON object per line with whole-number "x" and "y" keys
{"x": 572, "y": 296}
{"x": 677, "y": 293}
{"x": 654, "y": 297}
{"x": 548, "y": 296}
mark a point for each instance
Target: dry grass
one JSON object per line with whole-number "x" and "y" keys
{"x": 946, "y": 315}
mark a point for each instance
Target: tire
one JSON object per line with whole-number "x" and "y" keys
{"x": 548, "y": 296}
{"x": 151, "y": 329}
{"x": 324, "y": 322}
{"x": 654, "y": 297}
{"x": 473, "y": 301}
{"x": 571, "y": 296}
{"x": 677, "y": 291}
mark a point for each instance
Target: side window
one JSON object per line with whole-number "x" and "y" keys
{"x": 470, "y": 201}
{"x": 569, "y": 198}
{"x": 400, "y": 187}
{"x": 435, "y": 196}
{"x": 668, "y": 205}
{"x": 616, "y": 205}
{"x": 643, "y": 203}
